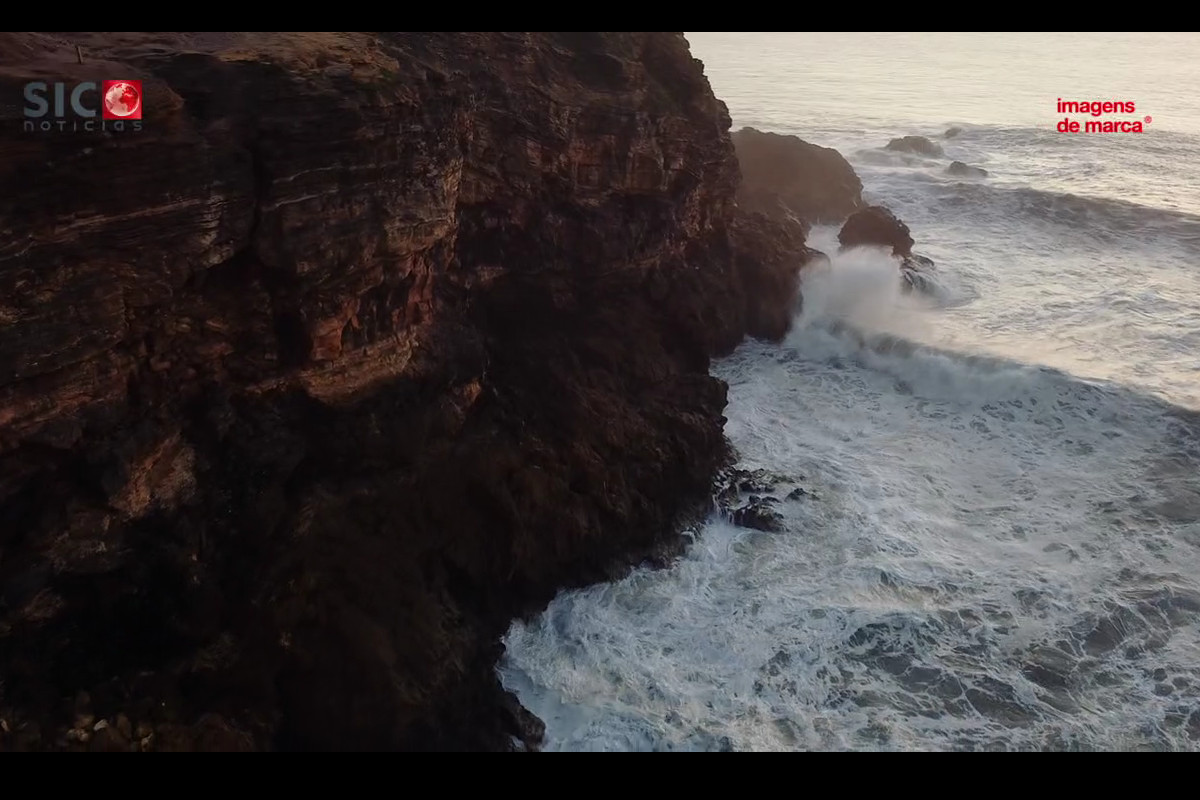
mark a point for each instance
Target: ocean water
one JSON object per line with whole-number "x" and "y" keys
{"x": 997, "y": 545}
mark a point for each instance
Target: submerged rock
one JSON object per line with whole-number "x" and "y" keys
{"x": 916, "y": 144}
{"x": 952, "y": 132}
{"x": 966, "y": 170}
{"x": 785, "y": 175}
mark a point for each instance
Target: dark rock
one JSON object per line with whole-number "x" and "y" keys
{"x": 211, "y": 733}
{"x": 522, "y": 724}
{"x": 916, "y": 144}
{"x": 735, "y": 483}
{"x": 919, "y": 273}
{"x": 364, "y": 345}
{"x": 876, "y": 226}
{"x": 917, "y": 262}
{"x": 750, "y": 498}
{"x": 759, "y": 514}
{"x": 110, "y": 740}
{"x": 758, "y": 481}
{"x": 965, "y": 170}
{"x": 952, "y": 132}
{"x": 786, "y": 176}
{"x": 768, "y": 257}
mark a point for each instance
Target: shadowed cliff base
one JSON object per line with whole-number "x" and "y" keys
{"x": 363, "y": 345}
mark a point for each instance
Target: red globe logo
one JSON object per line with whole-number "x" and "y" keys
{"x": 122, "y": 99}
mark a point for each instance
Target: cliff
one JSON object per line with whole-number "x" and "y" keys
{"x": 363, "y": 345}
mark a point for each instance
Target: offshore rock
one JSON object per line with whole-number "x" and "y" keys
{"x": 916, "y": 144}
{"x": 876, "y": 226}
{"x": 966, "y": 170}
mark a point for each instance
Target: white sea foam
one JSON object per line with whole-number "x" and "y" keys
{"x": 994, "y": 555}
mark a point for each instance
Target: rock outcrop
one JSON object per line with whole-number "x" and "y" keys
{"x": 916, "y": 144}
{"x": 877, "y": 226}
{"x": 363, "y": 345}
{"x": 785, "y": 176}
{"x": 963, "y": 170}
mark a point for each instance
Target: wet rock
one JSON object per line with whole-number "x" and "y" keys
{"x": 759, "y": 514}
{"x": 962, "y": 170}
{"x": 876, "y": 226}
{"x": 919, "y": 273}
{"x": 751, "y": 498}
{"x": 787, "y": 176}
{"x": 952, "y": 132}
{"x": 521, "y": 723}
{"x": 916, "y": 144}
{"x": 757, "y": 481}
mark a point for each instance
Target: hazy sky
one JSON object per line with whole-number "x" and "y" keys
{"x": 972, "y": 77}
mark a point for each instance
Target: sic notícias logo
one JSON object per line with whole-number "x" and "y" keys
{"x": 86, "y": 106}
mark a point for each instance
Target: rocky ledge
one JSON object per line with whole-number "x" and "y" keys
{"x": 363, "y": 345}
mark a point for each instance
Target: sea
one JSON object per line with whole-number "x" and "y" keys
{"x": 996, "y": 542}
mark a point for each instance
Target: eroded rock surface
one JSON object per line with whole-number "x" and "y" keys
{"x": 363, "y": 345}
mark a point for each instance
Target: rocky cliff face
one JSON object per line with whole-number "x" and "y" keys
{"x": 363, "y": 345}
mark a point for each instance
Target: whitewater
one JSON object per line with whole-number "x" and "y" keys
{"x": 997, "y": 545}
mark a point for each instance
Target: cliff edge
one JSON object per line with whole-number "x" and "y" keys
{"x": 362, "y": 345}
